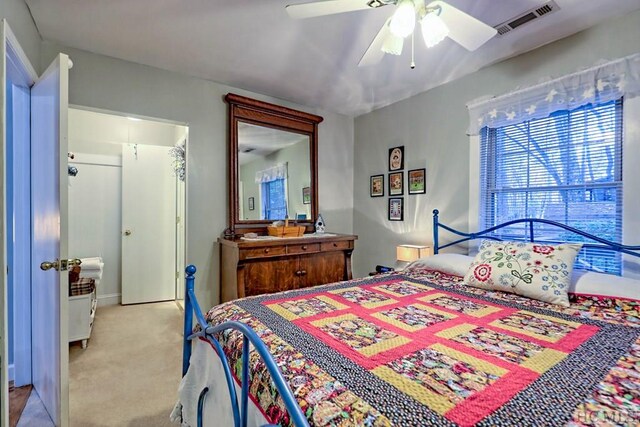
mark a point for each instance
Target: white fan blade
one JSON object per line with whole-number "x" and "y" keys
{"x": 374, "y": 54}
{"x": 321, "y": 8}
{"x": 464, "y": 29}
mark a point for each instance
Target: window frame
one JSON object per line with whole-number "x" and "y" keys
{"x": 490, "y": 190}
{"x": 264, "y": 189}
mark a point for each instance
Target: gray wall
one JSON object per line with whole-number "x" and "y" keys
{"x": 299, "y": 175}
{"x": 19, "y": 18}
{"x": 103, "y": 82}
{"x": 432, "y": 127}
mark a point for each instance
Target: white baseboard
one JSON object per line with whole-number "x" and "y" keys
{"x": 12, "y": 372}
{"x": 108, "y": 299}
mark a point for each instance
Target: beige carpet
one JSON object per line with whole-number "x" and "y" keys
{"x": 130, "y": 371}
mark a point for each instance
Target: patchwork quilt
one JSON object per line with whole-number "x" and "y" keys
{"x": 423, "y": 349}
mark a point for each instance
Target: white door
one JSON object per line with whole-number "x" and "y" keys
{"x": 50, "y": 289}
{"x": 149, "y": 224}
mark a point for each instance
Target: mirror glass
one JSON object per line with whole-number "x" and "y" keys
{"x": 274, "y": 174}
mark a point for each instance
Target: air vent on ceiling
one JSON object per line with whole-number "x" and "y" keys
{"x": 525, "y": 17}
{"x": 247, "y": 150}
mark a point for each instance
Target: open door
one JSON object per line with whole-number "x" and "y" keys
{"x": 49, "y": 322}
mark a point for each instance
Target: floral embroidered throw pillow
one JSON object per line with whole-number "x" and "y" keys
{"x": 533, "y": 270}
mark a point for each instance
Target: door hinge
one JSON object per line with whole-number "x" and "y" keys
{"x": 177, "y": 220}
{"x": 177, "y": 274}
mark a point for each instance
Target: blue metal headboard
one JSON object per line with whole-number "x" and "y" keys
{"x": 486, "y": 234}
{"x": 191, "y": 308}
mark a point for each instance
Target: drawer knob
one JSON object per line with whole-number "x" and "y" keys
{"x": 335, "y": 245}
{"x": 304, "y": 248}
{"x": 266, "y": 251}
{"x": 303, "y": 273}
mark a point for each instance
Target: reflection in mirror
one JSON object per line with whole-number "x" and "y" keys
{"x": 268, "y": 143}
{"x": 274, "y": 167}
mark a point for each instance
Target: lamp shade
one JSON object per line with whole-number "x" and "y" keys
{"x": 409, "y": 253}
{"x": 404, "y": 19}
{"x": 393, "y": 44}
{"x": 434, "y": 30}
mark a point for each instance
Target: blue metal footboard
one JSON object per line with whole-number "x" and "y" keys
{"x": 207, "y": 332}
{"x": 486, "y": 234}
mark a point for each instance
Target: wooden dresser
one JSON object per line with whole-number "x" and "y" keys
{"x": 253, "y": 267}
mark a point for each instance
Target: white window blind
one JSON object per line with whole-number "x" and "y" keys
{"x": 566, "y": 167}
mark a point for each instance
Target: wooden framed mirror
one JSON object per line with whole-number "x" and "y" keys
{"x": 273, "y": 165}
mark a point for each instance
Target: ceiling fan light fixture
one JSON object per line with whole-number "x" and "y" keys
{"x": 393, "y": 44}
{"x": 403, "y": 21}
{"x": 434, "y": 30}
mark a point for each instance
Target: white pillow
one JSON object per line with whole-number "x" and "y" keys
{"x": 533, "y": 270}
{"x": 591, "y": 283}
{"x": 582, "y": 282}
{"x": 454, "y": 264}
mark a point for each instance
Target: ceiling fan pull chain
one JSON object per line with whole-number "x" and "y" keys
{"x": 413, "y": 62}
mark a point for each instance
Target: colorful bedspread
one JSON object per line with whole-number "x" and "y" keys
{"x": 423, "y": 349}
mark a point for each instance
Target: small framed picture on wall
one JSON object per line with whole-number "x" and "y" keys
{"x": 396, "y": 209}
{"x": 251, "y": 203}
{"x": 376, "y": 186}
{"x": 396, "y": 184}
{"x": 396, "y": 158}
{"x": 416, "y": 178}
{"x": 306, "y": 195}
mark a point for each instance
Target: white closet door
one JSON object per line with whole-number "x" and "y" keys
{"x": 148, "y": 224}
{"x": 180, "y": 238}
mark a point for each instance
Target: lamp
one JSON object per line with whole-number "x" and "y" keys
{"x": 409, "y": 253}
{"x": 393, "y": 44}
{"x": 404, "y": 19}
{"x": 434, "y": 30}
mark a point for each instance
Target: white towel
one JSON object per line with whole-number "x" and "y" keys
{"x": 99, "y": 267}
{"x": 92, "y": 263}
{"x": 91, "y": 274}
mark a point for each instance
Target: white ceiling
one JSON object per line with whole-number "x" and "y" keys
{"x": 254, "y": 45}
{"x": 263, "y": 141}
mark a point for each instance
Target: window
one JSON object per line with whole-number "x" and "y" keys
{"x": 567, "y": 168}
{"x": 274, "y": 202}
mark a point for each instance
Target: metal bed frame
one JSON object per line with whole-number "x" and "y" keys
{"x": 207, "y": 332}
{"x": 486, "y": 234}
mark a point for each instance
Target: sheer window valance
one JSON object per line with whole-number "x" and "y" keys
{"x": 276, "y": 172}
{"x": 596, "y": 85}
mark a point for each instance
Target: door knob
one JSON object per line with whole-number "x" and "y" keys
{"x": 74, "y": 262}
{"x": 127, "y": 232}
{"x": 60, "y": 265}
{"x": 49, "y": 265}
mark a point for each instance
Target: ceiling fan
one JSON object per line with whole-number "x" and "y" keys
{"x": 437, "y": 20}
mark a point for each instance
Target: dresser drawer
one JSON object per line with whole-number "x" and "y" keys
{"x": 262, "y": 252}
{"x": 335, "y": 246}
{"x": 303, "y": 249}
{"x": 256, "y": 268}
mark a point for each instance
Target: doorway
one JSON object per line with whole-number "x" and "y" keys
{"x": 127, "y": 204}
{"x": 18, "y": 228}
{"x": 127, "y": 207}
{"x": 34, "y": 113}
